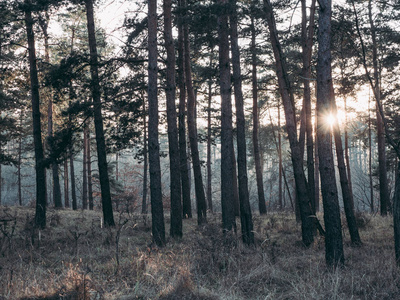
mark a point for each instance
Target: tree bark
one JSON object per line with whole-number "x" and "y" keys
{"x": 209, "y": 171}
{"x": 170, "y": 92}
{"x": 98, "y": 120}
{"x": 307, "y": 221}
{"x": 333, "y": 239}
{"x": 66, "y": 184}
{"x": 40, "y": 215}
{"x": 227, "y": 201}
{"x": 158, "y": 227}
{"x": 145, "y": 161}
{"x": 73, "y": 184}
{"x": 256, "y": 148}
{"x": 307, "y": 42}
{"x": 245, "y": 210}
{"x": 183, "y": 157}
{"x": 89, "y": 170}
{"x": 191, "y": 123}
{"x": 84, "y": 169}
{"x": 396, "y": 216}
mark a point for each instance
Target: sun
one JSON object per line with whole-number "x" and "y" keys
{"x": 330, "y": 119}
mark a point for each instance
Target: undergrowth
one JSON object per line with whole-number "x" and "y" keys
{"x": 74, "y": 258}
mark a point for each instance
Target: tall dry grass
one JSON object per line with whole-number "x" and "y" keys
{"x": 74, "y": 258}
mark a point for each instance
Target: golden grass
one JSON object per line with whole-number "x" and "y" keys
{"x": 76, "y": 259}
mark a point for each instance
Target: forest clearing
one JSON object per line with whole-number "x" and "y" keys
{"x": 76, "y": 259}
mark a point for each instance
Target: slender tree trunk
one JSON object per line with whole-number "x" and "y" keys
{"x": 371, "y": 184}
{"x": 333, "y": 239}
{"x": 209, "y": 171}
{"x": 396, "y": 216}
{"x": 89, "y": 170}
{"x": 44, "y": 22}
{"x": 191, "y": 121}
{"x": 98, "y": 120}
{"x": 183, "y": 157}
{"x": 145, "y": 161}
{"x": 235, "y": 187}
{"x": 173, "y": 146}
{"x": 316, "y": 170}
{"x": 307, "y": 42}
{"x": 66, "y": 184}
{"x": 227, "y": 193}
{"x": 346, "y": 153}
{"x": 307, "y": 222}
{"x": 40, "y": 216}
{"x": 280, "y": 163}
{"x": 73, "y": 184}
{"x": 344, "y": 183}
{"x": 19, "y": 168}
{"x": 383, "y": 182}
{"x": 84, "y": 171}
{"x": 245, "y": 210}
{"x": 256, "y": 148}
{"x": 157, "y": 213}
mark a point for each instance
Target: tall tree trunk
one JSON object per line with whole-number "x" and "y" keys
{"x": 316, "y": 171}
{"x": 158, "y": 227}
{"x": 145, "y": 161}
{"x": 227, "y": 193}
{"x": 256, "y": 148}
{"x": 347, "y": 154}
{"x": 396, "y": 216}
{"x": 66, "y": 184}
{"x": 371, "y": 184}
{"x": 19, "y": 177}
{"x": 191, "y": 122}
{"x": 98, "y": 120}
{"x": 280, "y": 162}
{"x": 307, "y": 222}
{"x": 89, "y": 170}
{"x": 383, "y": 181}
{"x": 183, "y": 157}
{"x": 245, "y": 210}
{"x": 333, "y": 239}
{"x": 44, "y": 23}
{"x": 344, "y": 183}
{"x": 307, "y": 42}
{"x": 1, "y": 185}
{"x": 73, "y": 183}
{"x": 84, "y": 170}
{"x": 235, "y": 187}
{"x": 40, "y": 215}
{"x": 175, "y": 178}
{"x": 209, "y": 171}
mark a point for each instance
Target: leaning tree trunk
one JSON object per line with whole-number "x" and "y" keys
{"x": 333, "y": 239}
{"x": 227, "y": 204}
{"x": 170, "y": 92}
{"x": 98, "y": 120}
{"x": 245, "y": 210}
{"x": 307, "y": 221}
{"x": 344, "y": 182}
{"x": 191, "y": 121}
{"x": 183, "y": 165}
{"x": 256, "y": 148}
{"x": 157, "y": 213}
{"x": 40, "y": 216}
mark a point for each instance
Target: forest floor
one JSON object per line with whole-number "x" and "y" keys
{"x": 74, "y": 258}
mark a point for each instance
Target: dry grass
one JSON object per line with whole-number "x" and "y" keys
{"x": 73, "y": 258}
